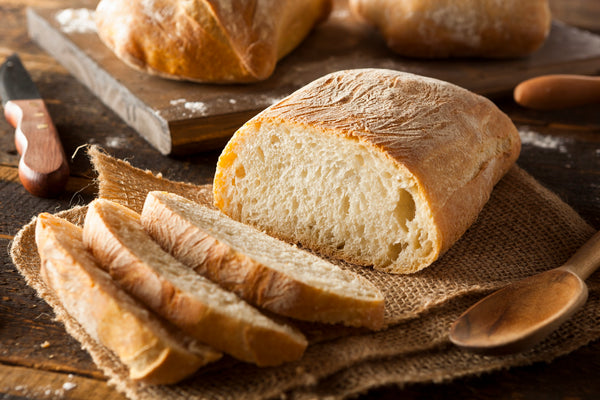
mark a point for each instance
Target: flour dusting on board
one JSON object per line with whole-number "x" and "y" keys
{"x": 76, "y": 20}
{"x": 196, "y": 107}
{"x": 69, "y": 386}
{"x": 184, "y": 108}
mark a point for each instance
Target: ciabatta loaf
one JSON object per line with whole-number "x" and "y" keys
{"x": 259, "y": 268}
{"x": 147, "y": 345}
{"x": 198, "y": 306}
{"x": 376, "y": 167}
{"x": 459, "y": 28}
{"x": 207, "y": 40}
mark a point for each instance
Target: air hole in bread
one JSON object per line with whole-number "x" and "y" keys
{"x": 345, "y": 207}
{"x": 360, "y": 161}
{"x": 260, "y": 156}
{"x": 395, "y": 250}
{"x": 240, "y": 172}
{"x": 404, "y": 212}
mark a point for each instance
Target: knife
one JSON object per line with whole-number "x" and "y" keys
{"x": 43, "y": 167}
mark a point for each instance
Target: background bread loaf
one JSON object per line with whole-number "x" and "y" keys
{"x": 459, "y": 28}
{"x": 207, "y": 40}
{"x": 376, "y": 167}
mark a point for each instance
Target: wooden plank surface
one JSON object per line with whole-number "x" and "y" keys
{"x": 156, "y": 107}
{"x": 562, "y": 151}
{"x": 34, "y": 383}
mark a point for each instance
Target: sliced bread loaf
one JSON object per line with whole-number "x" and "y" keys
{"x": 261, "y": 269}
{"x": 198, "y": 306}
{"x": 151, "y": 348}
{"x": 377, "y": 167}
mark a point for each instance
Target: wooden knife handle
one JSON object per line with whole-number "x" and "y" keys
{"x": 43, "y": 168}
{"x": 552, "y": 92}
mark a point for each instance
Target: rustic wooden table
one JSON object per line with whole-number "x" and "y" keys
{"x": 39, "y": 360}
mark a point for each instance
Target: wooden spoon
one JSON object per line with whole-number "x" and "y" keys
{"x": 515, "y": 318}
{"x": 552, "y": 92}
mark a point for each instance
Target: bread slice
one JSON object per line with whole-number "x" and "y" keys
{"x": 259, "y": 268}
{"x": 373, "y": 166}
{"x": 198, "y": 306}
{"x": 151, "y": 348}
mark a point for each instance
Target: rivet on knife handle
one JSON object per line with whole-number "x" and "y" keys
{"x": 43, "y": 168}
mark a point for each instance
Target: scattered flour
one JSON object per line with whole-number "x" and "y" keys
{"x": 269, "y": 100}
{"x": 199, "y": 108}
{"x": 460, "y": 23}
{"x": 76, "y": 20}
{"x": 159, "y": 12}
{"x": 69, "y": 386}
{"x": 116, "y": 142}
{"x": 529, "y": 137}
{"x": 196, "y": 106}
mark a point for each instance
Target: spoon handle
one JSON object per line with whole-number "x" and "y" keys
{"x": 551, "y": 92}
{"x": 585, "y": 260}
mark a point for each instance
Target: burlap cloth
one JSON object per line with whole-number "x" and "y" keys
{"x": 524, "y": 229}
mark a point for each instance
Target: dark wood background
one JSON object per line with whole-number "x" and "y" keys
{"x": 37, "y": 358}
{"x": 343, "y": 41}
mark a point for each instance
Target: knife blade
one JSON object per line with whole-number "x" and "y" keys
{"x": 43, "y": 167}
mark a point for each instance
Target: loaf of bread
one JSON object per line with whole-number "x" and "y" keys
{"x": 219, "y": 41}
{"x": 259, "y": 268}
{"x": 151, "y": 348}
{"x": 198, "y": 306}
{"x": 459, "y": 28}
{"x": 376, "y": 167}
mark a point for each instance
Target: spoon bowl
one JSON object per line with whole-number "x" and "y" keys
{"x": 500, "y": 325}
{"x": 517, "y": 317}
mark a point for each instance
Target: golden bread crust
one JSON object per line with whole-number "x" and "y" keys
{"x": 206, "y": 40}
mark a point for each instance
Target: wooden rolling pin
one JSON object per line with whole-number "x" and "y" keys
{"x": 553, "y": 92}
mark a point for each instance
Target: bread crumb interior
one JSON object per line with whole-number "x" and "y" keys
{"x": 332, "y": 193}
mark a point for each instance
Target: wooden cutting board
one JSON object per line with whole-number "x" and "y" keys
{"x": 182, "y": 117}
